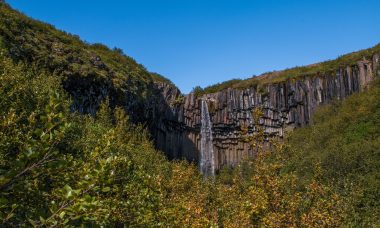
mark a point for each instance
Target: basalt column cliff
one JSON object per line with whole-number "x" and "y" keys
{"x": 286, "y": 105}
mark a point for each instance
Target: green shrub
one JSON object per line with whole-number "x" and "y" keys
{"x": 197, "y": 91}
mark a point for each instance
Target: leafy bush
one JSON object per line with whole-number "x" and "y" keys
{"x": 59, "y": 168}
{"x": 197, "y": 91}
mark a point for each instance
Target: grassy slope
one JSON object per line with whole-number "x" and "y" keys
{"x": 323, "y": 68}
{"x": 34, "y": 42}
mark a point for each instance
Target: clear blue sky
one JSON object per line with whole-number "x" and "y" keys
{"x": 202, "y": 42}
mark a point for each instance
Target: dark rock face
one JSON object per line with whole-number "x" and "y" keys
{"x": 174, "y": 120}
{"x": 168, "y": 127}
{"x": 286, "y": 105}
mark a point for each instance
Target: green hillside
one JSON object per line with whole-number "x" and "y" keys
{"x": 28, "y": 40}
{"x": 344, "y": 145}
{"x": 323, "y": 68}
{"x": 83, "y": 68}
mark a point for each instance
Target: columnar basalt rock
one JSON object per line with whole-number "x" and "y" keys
{"x": 286, "y": 105}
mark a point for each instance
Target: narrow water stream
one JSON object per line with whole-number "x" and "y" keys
{"x": 207, "y": 160}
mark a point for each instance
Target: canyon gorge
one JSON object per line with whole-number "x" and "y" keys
{"x": 286, "y": 105}
{"x": 92, "y": 74}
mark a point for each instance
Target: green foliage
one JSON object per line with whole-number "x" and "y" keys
{"x": 220, "y": 86}
{"x": 344, "y": 140}
{"x": 248, "y": 83}
{"x": 178, "y": 101}
{"x": 47, "y": 49}
{"x": 198, "y": 91}
{"x": 262, "y": 192}
{"x": 33, "y": 128}
{"x": 63, "y": 169}
{"x": 59, "y": 168}
{"x": 233, "y": 83}
{"x": 159, "y": 78}
{"x": 323, "y": 68}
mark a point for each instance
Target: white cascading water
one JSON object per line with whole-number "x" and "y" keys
{"x": 207, "y": 160}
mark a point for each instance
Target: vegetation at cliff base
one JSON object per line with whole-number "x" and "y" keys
{"x": 345, "y": 142}
{"x": 63, "y": 168}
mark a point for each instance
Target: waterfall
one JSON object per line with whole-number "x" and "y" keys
{"x": 207, "y": 160}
